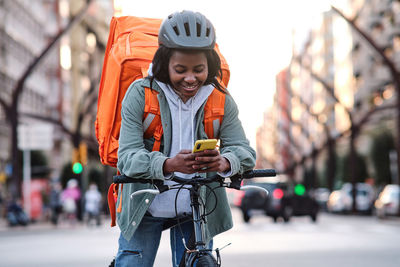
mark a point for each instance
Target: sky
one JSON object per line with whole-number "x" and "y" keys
{"x": 255, "y": 37}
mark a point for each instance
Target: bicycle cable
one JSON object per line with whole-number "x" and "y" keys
{"x": 182, "y": 186}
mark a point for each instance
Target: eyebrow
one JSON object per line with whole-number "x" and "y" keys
{"x": 183, "y": 66}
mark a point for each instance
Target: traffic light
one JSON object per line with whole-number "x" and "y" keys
{"x": 77, "y": 168}
{"x": 79, "y": 158}
{"x": 83, "y": 153}
{"x": 299, "y": 189}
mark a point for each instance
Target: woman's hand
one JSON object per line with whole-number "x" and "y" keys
{"x": 210, "y": 161}
{"x": 182, "y": 162}
{"x": 187, "y": 162}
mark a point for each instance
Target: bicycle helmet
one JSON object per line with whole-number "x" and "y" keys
{"x": 187, "y": 30}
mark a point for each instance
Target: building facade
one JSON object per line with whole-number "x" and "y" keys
{"x": 55, "y": 88}
{"x": 335, "y": 80}
{"x": 25, "y": 28}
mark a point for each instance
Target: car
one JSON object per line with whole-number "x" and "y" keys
{"x": 341, "y": 201}
{"x": 387, "y": 202}
{"x": 254, "y": 200}
{"x": 321, "y": 195}
{"x": 300, "y": 205}
{"x": 279, "y": 203}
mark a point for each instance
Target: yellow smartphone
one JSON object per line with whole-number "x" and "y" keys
{"x": 204, "y": 144}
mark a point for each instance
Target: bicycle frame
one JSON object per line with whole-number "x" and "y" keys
{"x": 198, "y": 224}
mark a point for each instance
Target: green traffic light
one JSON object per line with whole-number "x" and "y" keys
{"x": 77, "y": 168}
{"x": 299, "y": 189}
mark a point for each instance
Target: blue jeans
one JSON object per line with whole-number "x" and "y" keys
{"x": 142, "y": 248}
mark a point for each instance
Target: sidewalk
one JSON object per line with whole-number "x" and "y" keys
{"x": 33, "y": 226}
{"x": 47, "y": 225}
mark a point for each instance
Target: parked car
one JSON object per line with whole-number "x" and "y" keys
{"x": 321, "y": 195}
{"x": 388, "y": 201}
{"x": 279, "y": 203}
{"x": 341, "y": 201}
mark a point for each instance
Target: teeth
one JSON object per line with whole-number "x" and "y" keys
{"x": 191, "y": 87}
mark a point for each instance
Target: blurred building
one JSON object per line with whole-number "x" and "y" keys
{"x": 274, "y": 136}
{"x": 56, "y": 87}
{"x": 86, "y": 43}
{"x": 25, "y": 28}
{"x": 381, "y": 19}
{"x": 265, "y": 141}
{"x": 350, "y": 71}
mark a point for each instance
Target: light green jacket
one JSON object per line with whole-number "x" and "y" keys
{"x": 136, "y": 160}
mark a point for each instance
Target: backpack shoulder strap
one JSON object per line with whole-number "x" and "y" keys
{"x": 152, "y": 125}
{"x": 214, "y": 113}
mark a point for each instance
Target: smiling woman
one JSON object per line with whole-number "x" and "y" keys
{"x": 191, "y": 105}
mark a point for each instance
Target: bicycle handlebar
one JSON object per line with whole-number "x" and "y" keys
{"x": 259, "y": 173}
{"x": 118, "y": 179}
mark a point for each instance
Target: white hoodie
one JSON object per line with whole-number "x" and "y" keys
{"x": 183, "y": 122}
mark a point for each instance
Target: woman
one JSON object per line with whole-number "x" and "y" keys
{"x": 184, "y": 73}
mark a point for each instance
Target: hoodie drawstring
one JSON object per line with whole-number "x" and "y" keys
{"x": 180, "y": 124}
{"x": 191, "y": 121}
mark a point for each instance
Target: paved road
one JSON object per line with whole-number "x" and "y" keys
{"x": 333, "y": 241}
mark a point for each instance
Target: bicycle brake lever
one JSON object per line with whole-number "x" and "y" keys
{"x": 151, "y": 191}
{"x": 235, "y": 183}
{"x": 163, "y": 188}
{"x": 219, "y": 249}
{"x": 245, "y": 187}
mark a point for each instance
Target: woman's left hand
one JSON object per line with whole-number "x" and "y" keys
{"x": 210, "y": 161}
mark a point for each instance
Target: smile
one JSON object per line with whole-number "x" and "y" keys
{"x": 190, "y": 87}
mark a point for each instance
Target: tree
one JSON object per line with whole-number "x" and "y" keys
{"x": 330, "y": 145}
{"x": 12, "y": 108}
{"x": 66, "y": 174}
{"x": 345, "y": 173}
{"x": 355, "y": 129}
{"x": 39, "y": 164}
{"x": 389, "y": 63}
{"x": 382, "y": 144}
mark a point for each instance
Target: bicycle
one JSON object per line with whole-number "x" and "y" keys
{"x": 198, "y": 253}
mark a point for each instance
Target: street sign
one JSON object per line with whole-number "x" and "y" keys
{"x": 35, "y": 136}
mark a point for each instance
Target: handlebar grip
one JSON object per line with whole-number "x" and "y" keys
{"x": 123, "y": 179}
{"x": 259, "y": 173}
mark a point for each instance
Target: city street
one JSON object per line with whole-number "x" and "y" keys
{"x": 90, "y": 89}
{"x": 335, "y": 240}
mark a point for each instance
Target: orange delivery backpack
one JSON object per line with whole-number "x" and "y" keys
{"x": 131, "y": 45}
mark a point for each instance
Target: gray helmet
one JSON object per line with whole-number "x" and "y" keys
{"x": 187, "y": 30}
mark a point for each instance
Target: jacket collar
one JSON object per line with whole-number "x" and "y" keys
{"x": 154, "y": 85}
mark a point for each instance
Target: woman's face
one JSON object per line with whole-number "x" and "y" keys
{"x": 187, "y": 71}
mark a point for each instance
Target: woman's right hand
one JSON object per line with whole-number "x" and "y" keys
{"x": 182, "y": 162}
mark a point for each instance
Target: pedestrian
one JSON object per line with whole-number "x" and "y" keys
{"x": 55, "y": 202}
{"x": 92, "y": 204}
{"x": 2, "y": 201}
{"x": 184, "y": 73}
{"x": 15, "y": 213}
{"x": 70, "y": 198}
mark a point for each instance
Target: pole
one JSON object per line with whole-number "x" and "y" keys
{"x": 27, "y": 181}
